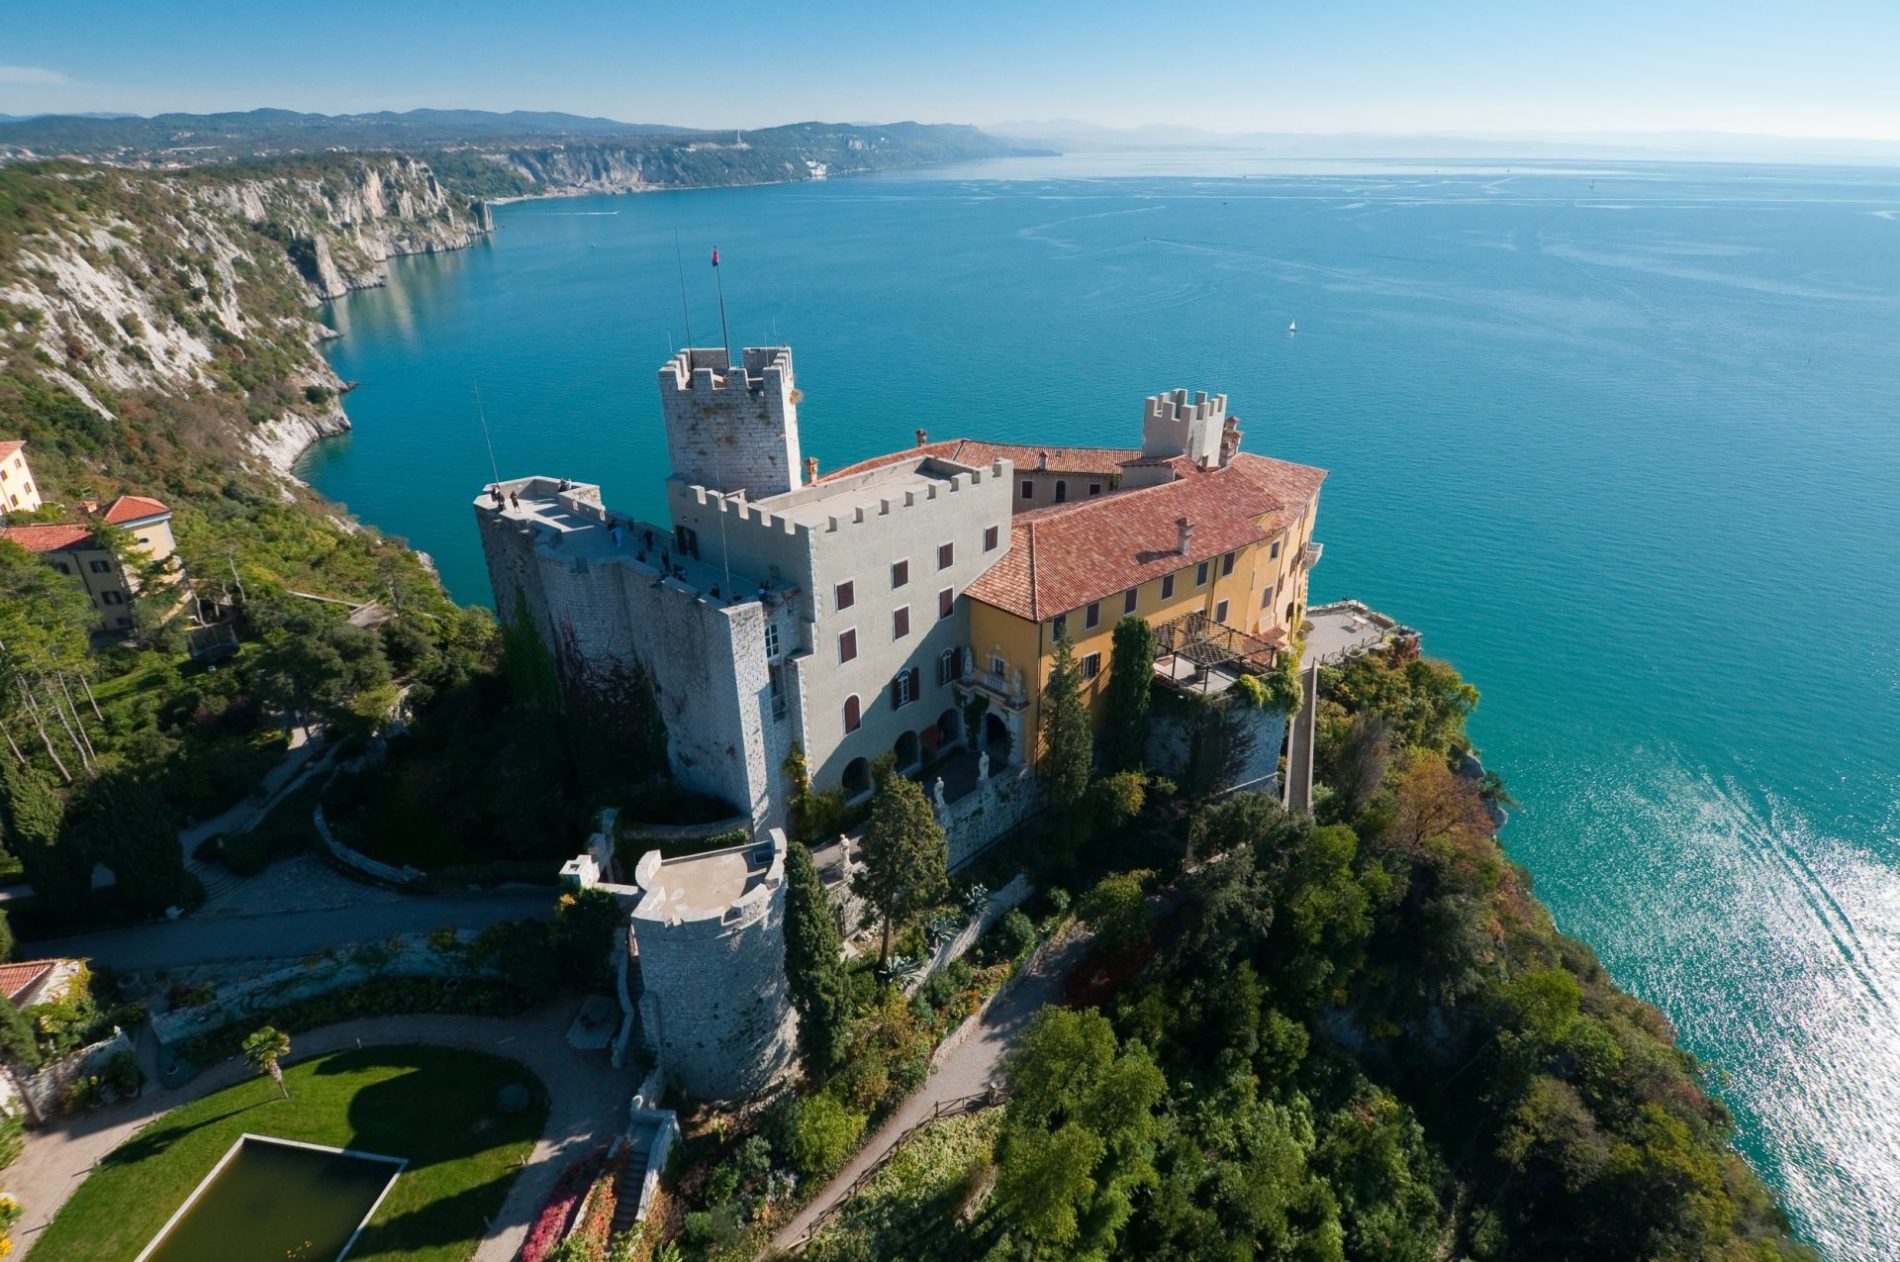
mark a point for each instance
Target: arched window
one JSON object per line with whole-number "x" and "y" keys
{"x": 853, "y": 712}
{"x": 857, "y": 778}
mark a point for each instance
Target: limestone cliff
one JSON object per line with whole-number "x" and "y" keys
{"x": 202, "y": 281}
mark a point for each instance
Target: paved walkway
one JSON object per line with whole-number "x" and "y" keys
{"x": 587, "y": 1106}
{"x": 969, "y": 1068}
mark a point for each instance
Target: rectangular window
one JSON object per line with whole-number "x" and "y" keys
{"x": 687, "y": 539}
{"x": 847, "y": 594}
{"x": 1200, "y": 575}
{"x": 900, "y": 574}
{"x": 98, "y": 567}
{"x": 1059, "y": 627}
{"x": 1227, "y": 565}
{"x": 847, "y": 644}
{"x": 946, "y": 555}
{"x": 1167, "y": 587}
{"x": 1095, "y": 488}
{"x": 1274, "y": 551}
{"x": 1220, "y": 611}
{"x": 900, "y": 622}
{"x": 1091, "y": 665}
{"x": 998, "y": 667}
{"x": 946, "y": 602}
{"x": 776, "y": 674}
{"x": 1092, "y": 616}
{"x": 62, "y": 567}
{"x": 1029, "y": 489}
{"x": 1128, "y": 599}
{"x": 1266, "y": 597}
{"x": 771, "y": 639}
{"x": 989, "y": 539}
{"x": 112, "y": 598}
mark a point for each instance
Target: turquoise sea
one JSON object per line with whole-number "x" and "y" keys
{"x": 1622, "y": 440}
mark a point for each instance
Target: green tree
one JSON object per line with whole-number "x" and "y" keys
{"x": 315, "y": 664}
{"x": 57, "y": 867}
{"x": 585, "y": 937}
{"x": 1130, "y": 686}
{"x": 124, "y": 821}
{"x": 1117, "y": 909}
{"x": 906, "y": 863}
{"x": 814, "y": 966}
{"x": 822, "y": 1133}
{"x": 264, "y": 1051}
{"x": 6, "y": 938}
{"x": 1068, "y": 742}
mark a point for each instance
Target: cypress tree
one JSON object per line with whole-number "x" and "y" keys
{"x": 30, "y": 812}
{"x": 1130, "y": 678}
{"x": 906, "y": 863}
{"x": 814, "y": 965}
{"x": 1068, "y": 743}
{"x": 124, "y": 822}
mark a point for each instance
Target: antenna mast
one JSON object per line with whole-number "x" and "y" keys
{"x": 686, "y": 312}
{"x": 493, "y": 468}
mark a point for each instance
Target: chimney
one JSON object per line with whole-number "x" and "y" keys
{"x": 1185, "y": 531}
{"x": 811, "y": 470}
{"x": 922, "y": 436}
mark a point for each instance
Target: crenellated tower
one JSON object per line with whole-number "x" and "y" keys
{"x": 732, "y": 429}
{"x": 1174, "y": 424}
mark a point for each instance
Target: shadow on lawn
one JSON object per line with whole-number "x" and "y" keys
{"x": 159, "y": 1139}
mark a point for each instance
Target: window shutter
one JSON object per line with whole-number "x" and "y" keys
{"x": 916, "y": 683}
{"x": 897, "y": 692}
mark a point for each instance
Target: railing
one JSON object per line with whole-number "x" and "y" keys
{"x": 944, "y": 1108}
{"x": 1309, "y": 555}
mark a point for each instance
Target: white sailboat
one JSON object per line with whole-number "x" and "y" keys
{"x": 1292, "y": 326}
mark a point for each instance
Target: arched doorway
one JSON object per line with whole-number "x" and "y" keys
{"x": 857, "y": 778}
{"x": 996, "y": 739}
{"x": 908, "y": 751}
{"x": 949, "y": 728}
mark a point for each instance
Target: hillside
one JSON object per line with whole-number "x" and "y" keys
{"x": 197, "y": 285}
{"x": 508, "y": 155}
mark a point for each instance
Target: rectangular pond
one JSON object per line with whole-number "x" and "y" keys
{"x": 274, "y": 1200}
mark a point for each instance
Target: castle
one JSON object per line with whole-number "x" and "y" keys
{"x": 860, "y": 612}
{"x": 883, "y": 608}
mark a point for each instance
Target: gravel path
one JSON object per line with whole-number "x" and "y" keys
{"x": 587, "y": 1106}
{"x": 970, "y": 1067}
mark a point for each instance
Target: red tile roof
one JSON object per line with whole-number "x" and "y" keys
{"x": 51, "y": 538}
{"x": 1026, "y": 457}
{"x": 10, "y": 446}
{"x": 18, "y": 980}
{"x": 1069, "y": 555}
{"x": 133, "y": 508}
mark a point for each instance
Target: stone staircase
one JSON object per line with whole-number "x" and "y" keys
{"x": 633, "y": 1172}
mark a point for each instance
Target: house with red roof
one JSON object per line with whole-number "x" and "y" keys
{"x": 75, "y": 549}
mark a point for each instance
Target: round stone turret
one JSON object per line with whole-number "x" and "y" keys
{"x": 715, "y": 1004}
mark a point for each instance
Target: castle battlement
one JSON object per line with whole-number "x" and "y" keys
{"x": 734, "y": 427}
{"x": 1175, "y": 424}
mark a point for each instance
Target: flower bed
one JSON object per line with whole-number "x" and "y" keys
{"x": 550, "y": 1226}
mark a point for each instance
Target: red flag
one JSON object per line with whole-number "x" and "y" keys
{"x": 715, "y": 256}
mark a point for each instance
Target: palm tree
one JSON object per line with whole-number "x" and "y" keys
{"x": 262, "y": 1052}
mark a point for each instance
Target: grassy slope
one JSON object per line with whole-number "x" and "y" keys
{"x": 905, "y": 1211}
{"x": 434, "y": 1106}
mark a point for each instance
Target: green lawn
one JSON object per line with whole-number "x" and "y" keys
{"x": 432, "y": 1105}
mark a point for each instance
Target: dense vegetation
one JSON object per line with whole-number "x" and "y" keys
{"x": 1364, "y": 1038}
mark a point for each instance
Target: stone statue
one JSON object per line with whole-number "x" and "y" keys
{"x": 983, "y": 767}
{"x": 937, "y": 793}
{"x": 1016, "y": 683}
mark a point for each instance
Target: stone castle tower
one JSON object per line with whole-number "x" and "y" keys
{"x": 732, "y": 429}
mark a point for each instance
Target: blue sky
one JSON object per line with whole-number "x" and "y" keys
{"x": 1792, "y": 67}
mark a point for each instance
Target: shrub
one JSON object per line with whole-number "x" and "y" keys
{"x": 823, "y": 1133}
{"x": 122, "y": 1072}
{"x": 12, "y": 1139}
{"x": 245, "y": 854}
{"x": 1013, "y": 935}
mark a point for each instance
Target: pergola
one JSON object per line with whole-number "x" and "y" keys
{"x": 1196, "y": 653}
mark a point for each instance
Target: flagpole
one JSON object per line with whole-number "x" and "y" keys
{"x": 686, "y": 312}
{"x": 725, "y": 338}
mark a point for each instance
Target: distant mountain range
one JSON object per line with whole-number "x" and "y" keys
{"x": 1073, "y": 136}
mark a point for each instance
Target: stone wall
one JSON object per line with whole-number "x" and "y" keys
{"x": 705, "y": 656}
{"x": 732, "y": 427}
{"x": 974, "y": 822}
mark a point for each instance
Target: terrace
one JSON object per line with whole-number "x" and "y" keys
{"x": 1197, "y": 654}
